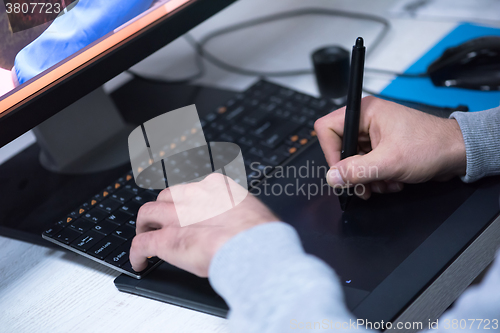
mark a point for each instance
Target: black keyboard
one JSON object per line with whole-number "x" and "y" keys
{"x": 270, "y": 123}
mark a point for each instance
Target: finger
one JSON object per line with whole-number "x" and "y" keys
{"x": 143, "y": 246}
{"x": 366, "y": 192}
{"x": 329, "y": 130}
{"x": 362, "y": 169}
{"x": 393, "y": 187}
{"x": 379, "y": 187}
{"x": 155, "y": 215}
{"x": 165, "y": 195}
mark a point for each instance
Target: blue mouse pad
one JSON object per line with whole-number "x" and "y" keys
{"x": 422, "y": 90}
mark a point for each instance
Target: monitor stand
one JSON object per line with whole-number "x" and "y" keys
{"x": 88, "y": 136}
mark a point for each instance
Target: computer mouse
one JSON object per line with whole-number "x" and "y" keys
{"x": 474, "y": 64}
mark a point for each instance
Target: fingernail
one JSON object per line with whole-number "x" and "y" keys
{"x": 376, "y": 188}
{"x": 334, "y": 178}
{"x": 366, "y": 196}
{"x": 395, "y": 187}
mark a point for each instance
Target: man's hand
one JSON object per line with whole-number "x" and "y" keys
{"x": 396, "y": 145}
{"x": 193, "y": 247}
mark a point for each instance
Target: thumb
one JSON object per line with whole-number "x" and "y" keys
{"x": 360, "y": 169}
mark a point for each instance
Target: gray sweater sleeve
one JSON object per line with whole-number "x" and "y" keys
{"x": 481, "y": 133}
{"x": 272, "y": 286}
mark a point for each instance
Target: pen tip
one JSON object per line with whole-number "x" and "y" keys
{"x": 359, "y": 42}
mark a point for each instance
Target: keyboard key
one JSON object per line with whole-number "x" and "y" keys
{"x": 109, "y": 205}
{"x": 92, "y": 203}
{"x": 259, "y": 151}
{"x": 283, "y": 113}
{"x": 105, "y": 227}
{"x": 275, "y": 130}
{"x": 269, "y": 107}
{"x": 120, "y": 256}
{"x": 128, "y": 267}
{"x": 78, "y": 212}
{"x": 255, "y": 117}
{"x": 228, "y": 137}
{"x": 98, "y": 197}
{"x": 210, "y": 117}
{"x": 299, "y": 119}
{"x": 87, "y": 240}
{"x": 121, "y": 181}
{"x": 310, "y": 113}
{"x": 61, "y": 223}
{"x": 234, "y": 114}
{"x": 131, "y": 187}
{"x": 67, "y": 236}
{"x": 153, "y": 260}
{"x": 291, "y": 106}
{"x": 317, "y": 103}
{"x": 119, "y": 217}
{"x": 122, "y": 195}
{"x": 130, "y": 223}
{"x": 81, "y": 225}
{"x": 275, "y": 158}
{"x": 86, "y": 206}
{"x": 210, "y": 135}
{"x": 116, "y": 185}
{"x": 53, "y": 231}
{"x": 131, "y": 207}
{"x": 239, "y": 129}
{"x": 107, "y": 192}
{"x": 103, "y": 248}
{"x": 95, "y": 215}
{"x": 292, "y": 139}
{"x": 306, "y": 133}
{"x": 124, "y": 232}
{"x": 246, "y": 141}
{"x": 69, "y": 219}
{"x": 144, "y": 197}
{"x": 276, "y": 99}
{"x": 259, "y": 170}
{"x": 217, "y": 126}
{"x": 301, "y": 98}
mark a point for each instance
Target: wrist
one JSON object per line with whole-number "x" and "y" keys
{"x": 456, "y": 156}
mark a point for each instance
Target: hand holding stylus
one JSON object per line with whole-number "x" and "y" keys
{"x": 396, "y": 145}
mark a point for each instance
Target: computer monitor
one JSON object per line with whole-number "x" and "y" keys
{"x": 149, "y": 25}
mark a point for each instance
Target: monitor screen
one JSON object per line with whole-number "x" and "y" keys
{"x": 46, "y": 44}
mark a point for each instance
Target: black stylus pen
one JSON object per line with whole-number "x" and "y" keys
{"x": 353, "y": 110}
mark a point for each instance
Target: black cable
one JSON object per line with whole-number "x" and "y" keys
{"x": 388, "y": 72}
{"x": 201, "y": 51}
{"x": 276, "y": 17}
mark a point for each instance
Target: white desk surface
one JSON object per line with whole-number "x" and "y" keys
{"x": 44, "y": 290}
